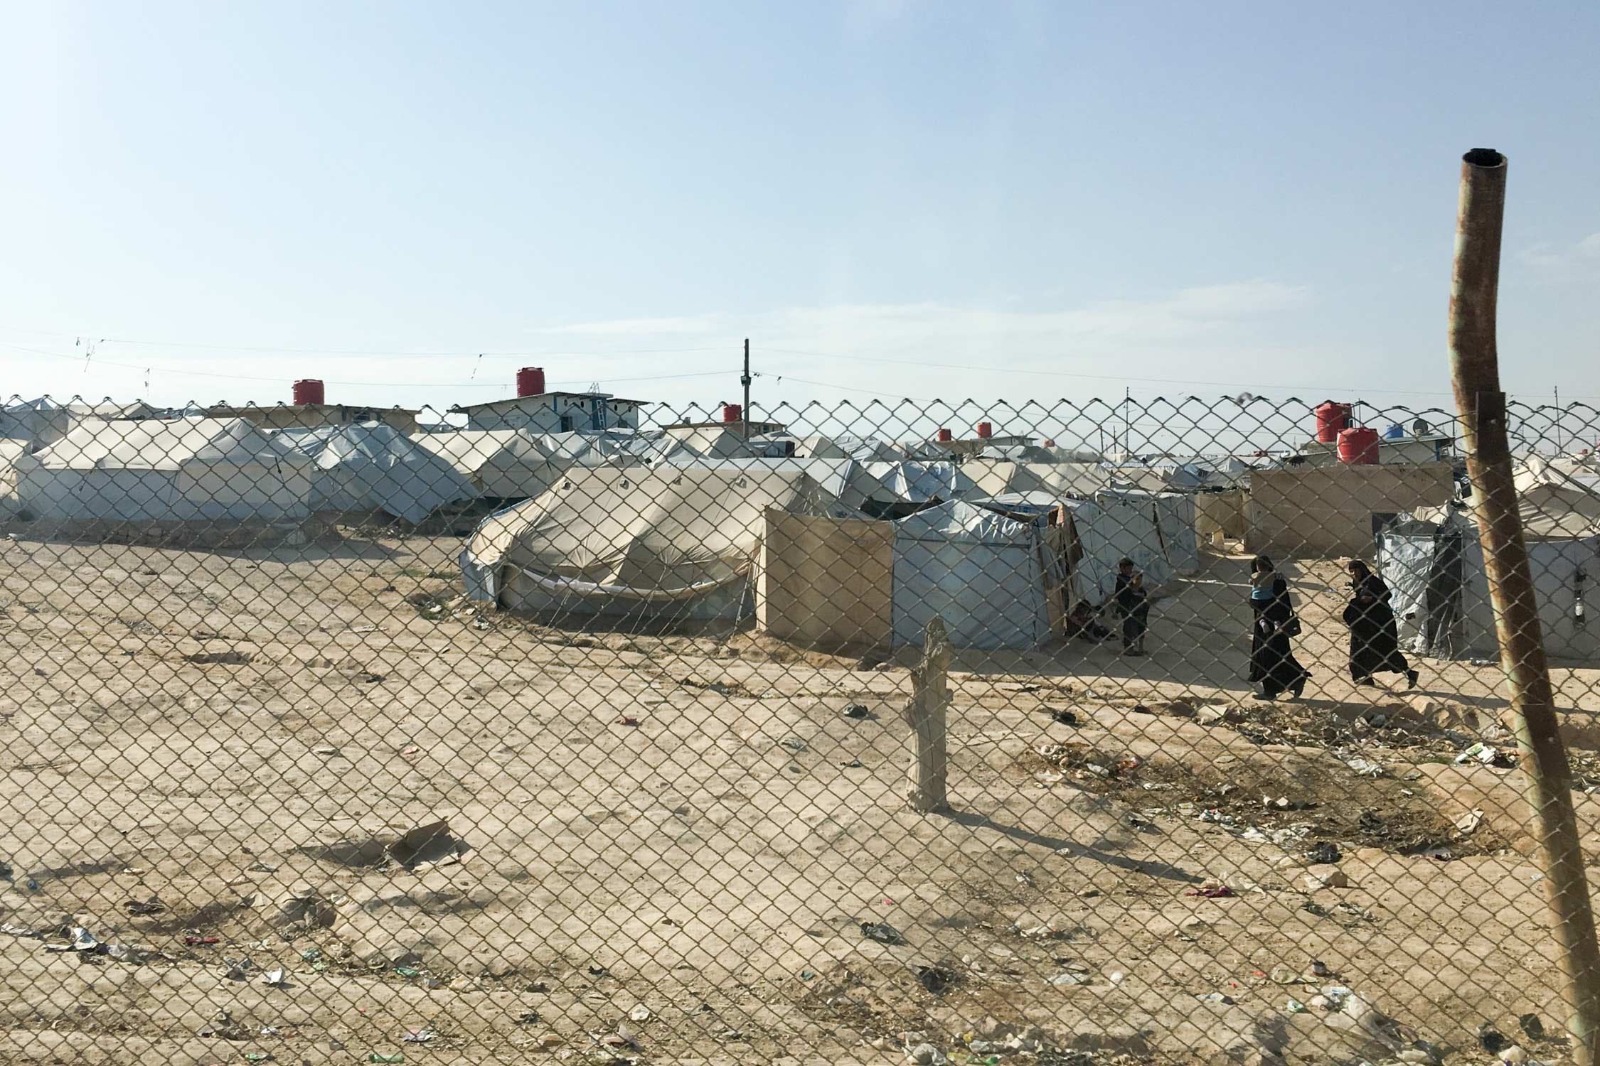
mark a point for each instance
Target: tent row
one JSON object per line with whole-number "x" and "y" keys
{"x": 209, "y": 470}
{"x": 729, "y": 543}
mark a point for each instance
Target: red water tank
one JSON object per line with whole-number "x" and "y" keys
{"x": 530, "y": 381}
{"x": 945, "y": 436}
{"x": 1331, "y": 418}
{"x": 985, "y": 431}
{"x": 1049, "y": 443}
{"x": 732, "y": 412}
{"x": 1358, "y": 446}
{"x": 308, "y": 391}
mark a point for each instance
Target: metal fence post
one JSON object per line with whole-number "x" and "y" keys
{"x": 1475, "y": 369}
{"x": 930, "y": 698}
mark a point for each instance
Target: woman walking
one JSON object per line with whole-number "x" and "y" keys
{"x": 1272, "y": 661}
{"x": 1374, "y": 634}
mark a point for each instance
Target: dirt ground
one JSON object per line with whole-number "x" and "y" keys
{"x": 666, "y": 848}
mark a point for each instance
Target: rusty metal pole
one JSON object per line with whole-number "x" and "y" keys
{"x": 1476, "y": 372}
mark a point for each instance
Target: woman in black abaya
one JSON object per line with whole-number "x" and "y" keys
{"x": 1272, "y": 661}
{"x": 1374, "y": 634}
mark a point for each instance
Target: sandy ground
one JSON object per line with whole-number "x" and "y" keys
{"x": 237, "y": 736}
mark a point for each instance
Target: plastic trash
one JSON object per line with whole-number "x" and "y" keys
{"x": 1325, "y": 853}
{"x": 882, "y": 932}
{"x": 1365, "y": 767}
{"x": 641, "y": 1013}
{"x": 1294, "y": 1006}
{"x": 1064, "y": 717}
{"x": 856, "y": 711}
{"x": 275, "y": 978}
{"x": 1491, "y": 1039}
{"x": 380, "y": 1057}
{"x": 418, "y": 1036}
{"x": 1532, "y": 1026}
{"x": 1211, "y": 890}
{"x": 936, "y": 980}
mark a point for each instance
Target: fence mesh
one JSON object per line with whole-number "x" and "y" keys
{"x": 816, "y": 737}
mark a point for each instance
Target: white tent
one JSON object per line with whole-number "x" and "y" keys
{"x": 880, "y": 486}
{"x": 1109, "y": 528}
{"x": 148, "y": 470}
{"x": 660, "y": 545}
{"x": 994, "y": 477}
{"x": 989, "y": 578}
{"x": 11, "y": 450}
{"x": 700, "y": 442}
{"x": 373, "y": 466}
{"x": 1434, "y": 566}
{"x": 505, "y": 464}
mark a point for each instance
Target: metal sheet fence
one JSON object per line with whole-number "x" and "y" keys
{"x": 825, "y": 736}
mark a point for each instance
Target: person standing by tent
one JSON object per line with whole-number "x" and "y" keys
{"x": 1374, "y": 633}
{"x": 1133, "y": 603}
{"x": 1274, "y": 625}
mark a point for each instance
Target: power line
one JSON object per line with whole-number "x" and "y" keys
{"x": 920, "y": 364}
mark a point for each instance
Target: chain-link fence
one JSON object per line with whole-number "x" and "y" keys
{"x": 1163, "y": 731}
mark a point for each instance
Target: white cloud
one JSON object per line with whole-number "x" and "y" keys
{"x": 1563, "y": 262}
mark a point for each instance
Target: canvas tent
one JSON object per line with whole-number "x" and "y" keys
{"x": 11, "y": 450}
{"x": 690, "y": 443}
{"x": 150, "y": 470}
{"x": 503, "y": 464}
{"x": 894, "y": 489}
{"x": 826, "y": 582}
{"x": 992, "y": 580}
{"x": 372, "y": 466}
{"x": 1435, "y": 570}
{"x": 1113, "y": 526}
{"x": 652, "y": 545}
{"x": 993, "y": 477}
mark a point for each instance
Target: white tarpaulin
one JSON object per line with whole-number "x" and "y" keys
{"x": 373, "y": 466}
{"x": 665, "y": 544}
{"x": 504, "y": 464}
{"x": 984, "y": 574}
{"x": 149, "y": 470}
{"x": 1112, "y": 527}
{"x": 1442, "y": 590}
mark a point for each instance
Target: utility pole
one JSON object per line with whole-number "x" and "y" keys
{"x": 745, "y": 381}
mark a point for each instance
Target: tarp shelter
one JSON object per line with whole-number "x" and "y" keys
{"x": 148, "y": 470}
{"x": 371, "y": 466}
{"x": 826, "y": 582}
{"x": 504, "y": 464}
{"x": 652, "y": 545}
{"x": 993, "y": 581}
{"x": 700, "y": 442}
{"x": 995, "y": 477}
{"x": 1435, "y": 570}
{"x": 892, "y": 489}
{"x": 1109, "y": 528}
{"x": 835, "y": 476}
{"x": 11, "y": 450}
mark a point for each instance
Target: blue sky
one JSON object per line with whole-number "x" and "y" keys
{"x": 1015, "y": 201}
